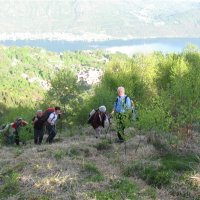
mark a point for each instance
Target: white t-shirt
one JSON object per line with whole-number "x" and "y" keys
{"x": 52, "y": 118}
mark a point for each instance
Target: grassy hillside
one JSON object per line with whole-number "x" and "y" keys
{"x": 101, "y": 19}
{"x": 83, "y": 167}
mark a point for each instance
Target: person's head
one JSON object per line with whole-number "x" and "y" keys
{"x": 39, "y": 113}
{"x": 57, "y": 110}
{"x": 18, "y": 120}
{"x": 121, "y": 91}
{"x": 102, "y": 109}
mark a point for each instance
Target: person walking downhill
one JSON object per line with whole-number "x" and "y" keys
{"x": 38, "y": 125}
{"x": 51, "y": 122}
{"x": 122, "y": 106}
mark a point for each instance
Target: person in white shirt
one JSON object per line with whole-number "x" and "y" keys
{"x": 51, "y": 128}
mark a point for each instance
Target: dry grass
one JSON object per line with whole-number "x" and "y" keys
{"x": 51, "y": 172}
{"x": 196, "y": 179}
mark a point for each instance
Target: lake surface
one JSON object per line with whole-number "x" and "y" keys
{"x": 124, "y": 46}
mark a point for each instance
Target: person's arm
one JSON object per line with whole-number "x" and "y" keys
{"x": 34, "y": 120}
{"x": 24, "y": 123}
{"x": 114, "y": 108}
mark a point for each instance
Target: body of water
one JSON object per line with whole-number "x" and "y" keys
{"x": 124, "y": 46}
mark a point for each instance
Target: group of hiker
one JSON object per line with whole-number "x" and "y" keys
{"x": 41, "y": 121}
{"x": 47, "y": 121}
{"x": 123, "y": 108}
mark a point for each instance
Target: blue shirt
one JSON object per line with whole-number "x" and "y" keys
{"x": 120, "y": 105}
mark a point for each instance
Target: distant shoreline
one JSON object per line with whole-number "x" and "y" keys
{"x": 87, "y": 37}
{"x": 128, "y": 46}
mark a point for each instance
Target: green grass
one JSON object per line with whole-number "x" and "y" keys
{"x": 73, "y": 152}
{"x": 163, "y": 171}
{"x": 117, "y": 190}
{"x": 179, "y": 163}
{"x": 103, "y": 145}
{"x": 91, "y": 173}
{"x": 9, "y": 182}
{"x": 10, "y": 185}
{"x": 58, "y": 154}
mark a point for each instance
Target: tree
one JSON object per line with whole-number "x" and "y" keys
{"x": 65, "y": 91}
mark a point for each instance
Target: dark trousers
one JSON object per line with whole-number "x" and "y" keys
{"x": 51, "y": 130}
{"x": 38, "y": 136}
{"x": 16, "y": 137}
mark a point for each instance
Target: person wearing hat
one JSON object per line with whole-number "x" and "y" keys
{"x": 19, "y": 122}
{"x": 98, "y": 120}
{"x": 38, "y": 125}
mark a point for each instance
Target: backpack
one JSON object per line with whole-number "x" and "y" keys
{"x": 134, "y": 111}
{"x": 125, "y": 99}
{"x": 46, "y": 114}
{"x": 116, "y": 101}
{"x": 91, "y": 115}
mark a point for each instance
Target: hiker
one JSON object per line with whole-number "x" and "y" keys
{"x": 122, "y": 105}
{"x": 6, "y": 132}
{"x": 98, "y": 119}
{"x": 18, "y": 123}
{"x": 38, "y": 125}
{"x": 51, "y": 124}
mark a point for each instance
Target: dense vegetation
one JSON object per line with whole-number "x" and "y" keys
{"x": 165, "y": 88}
{"x": 26, "y": 73}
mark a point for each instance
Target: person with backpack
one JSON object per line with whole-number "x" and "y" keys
{"x": 51, "y": 122}
{"x": 122, "y": 106}
{"x": 6, "y": 132}
{"x": 97, "y": 119}
{"x": 18, "y": 123}
{"x": 38, "y": 125}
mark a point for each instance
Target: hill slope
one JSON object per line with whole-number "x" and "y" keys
{"x": 82, "y": 167}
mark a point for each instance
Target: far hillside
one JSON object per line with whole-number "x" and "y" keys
{"x": 26, "y": 73}
{"x": 98, "y": 20}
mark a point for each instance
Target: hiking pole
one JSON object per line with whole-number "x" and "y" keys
{"x": 109, "y": 127}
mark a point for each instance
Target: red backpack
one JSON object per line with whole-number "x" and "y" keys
{"x": 47, "y": 113}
